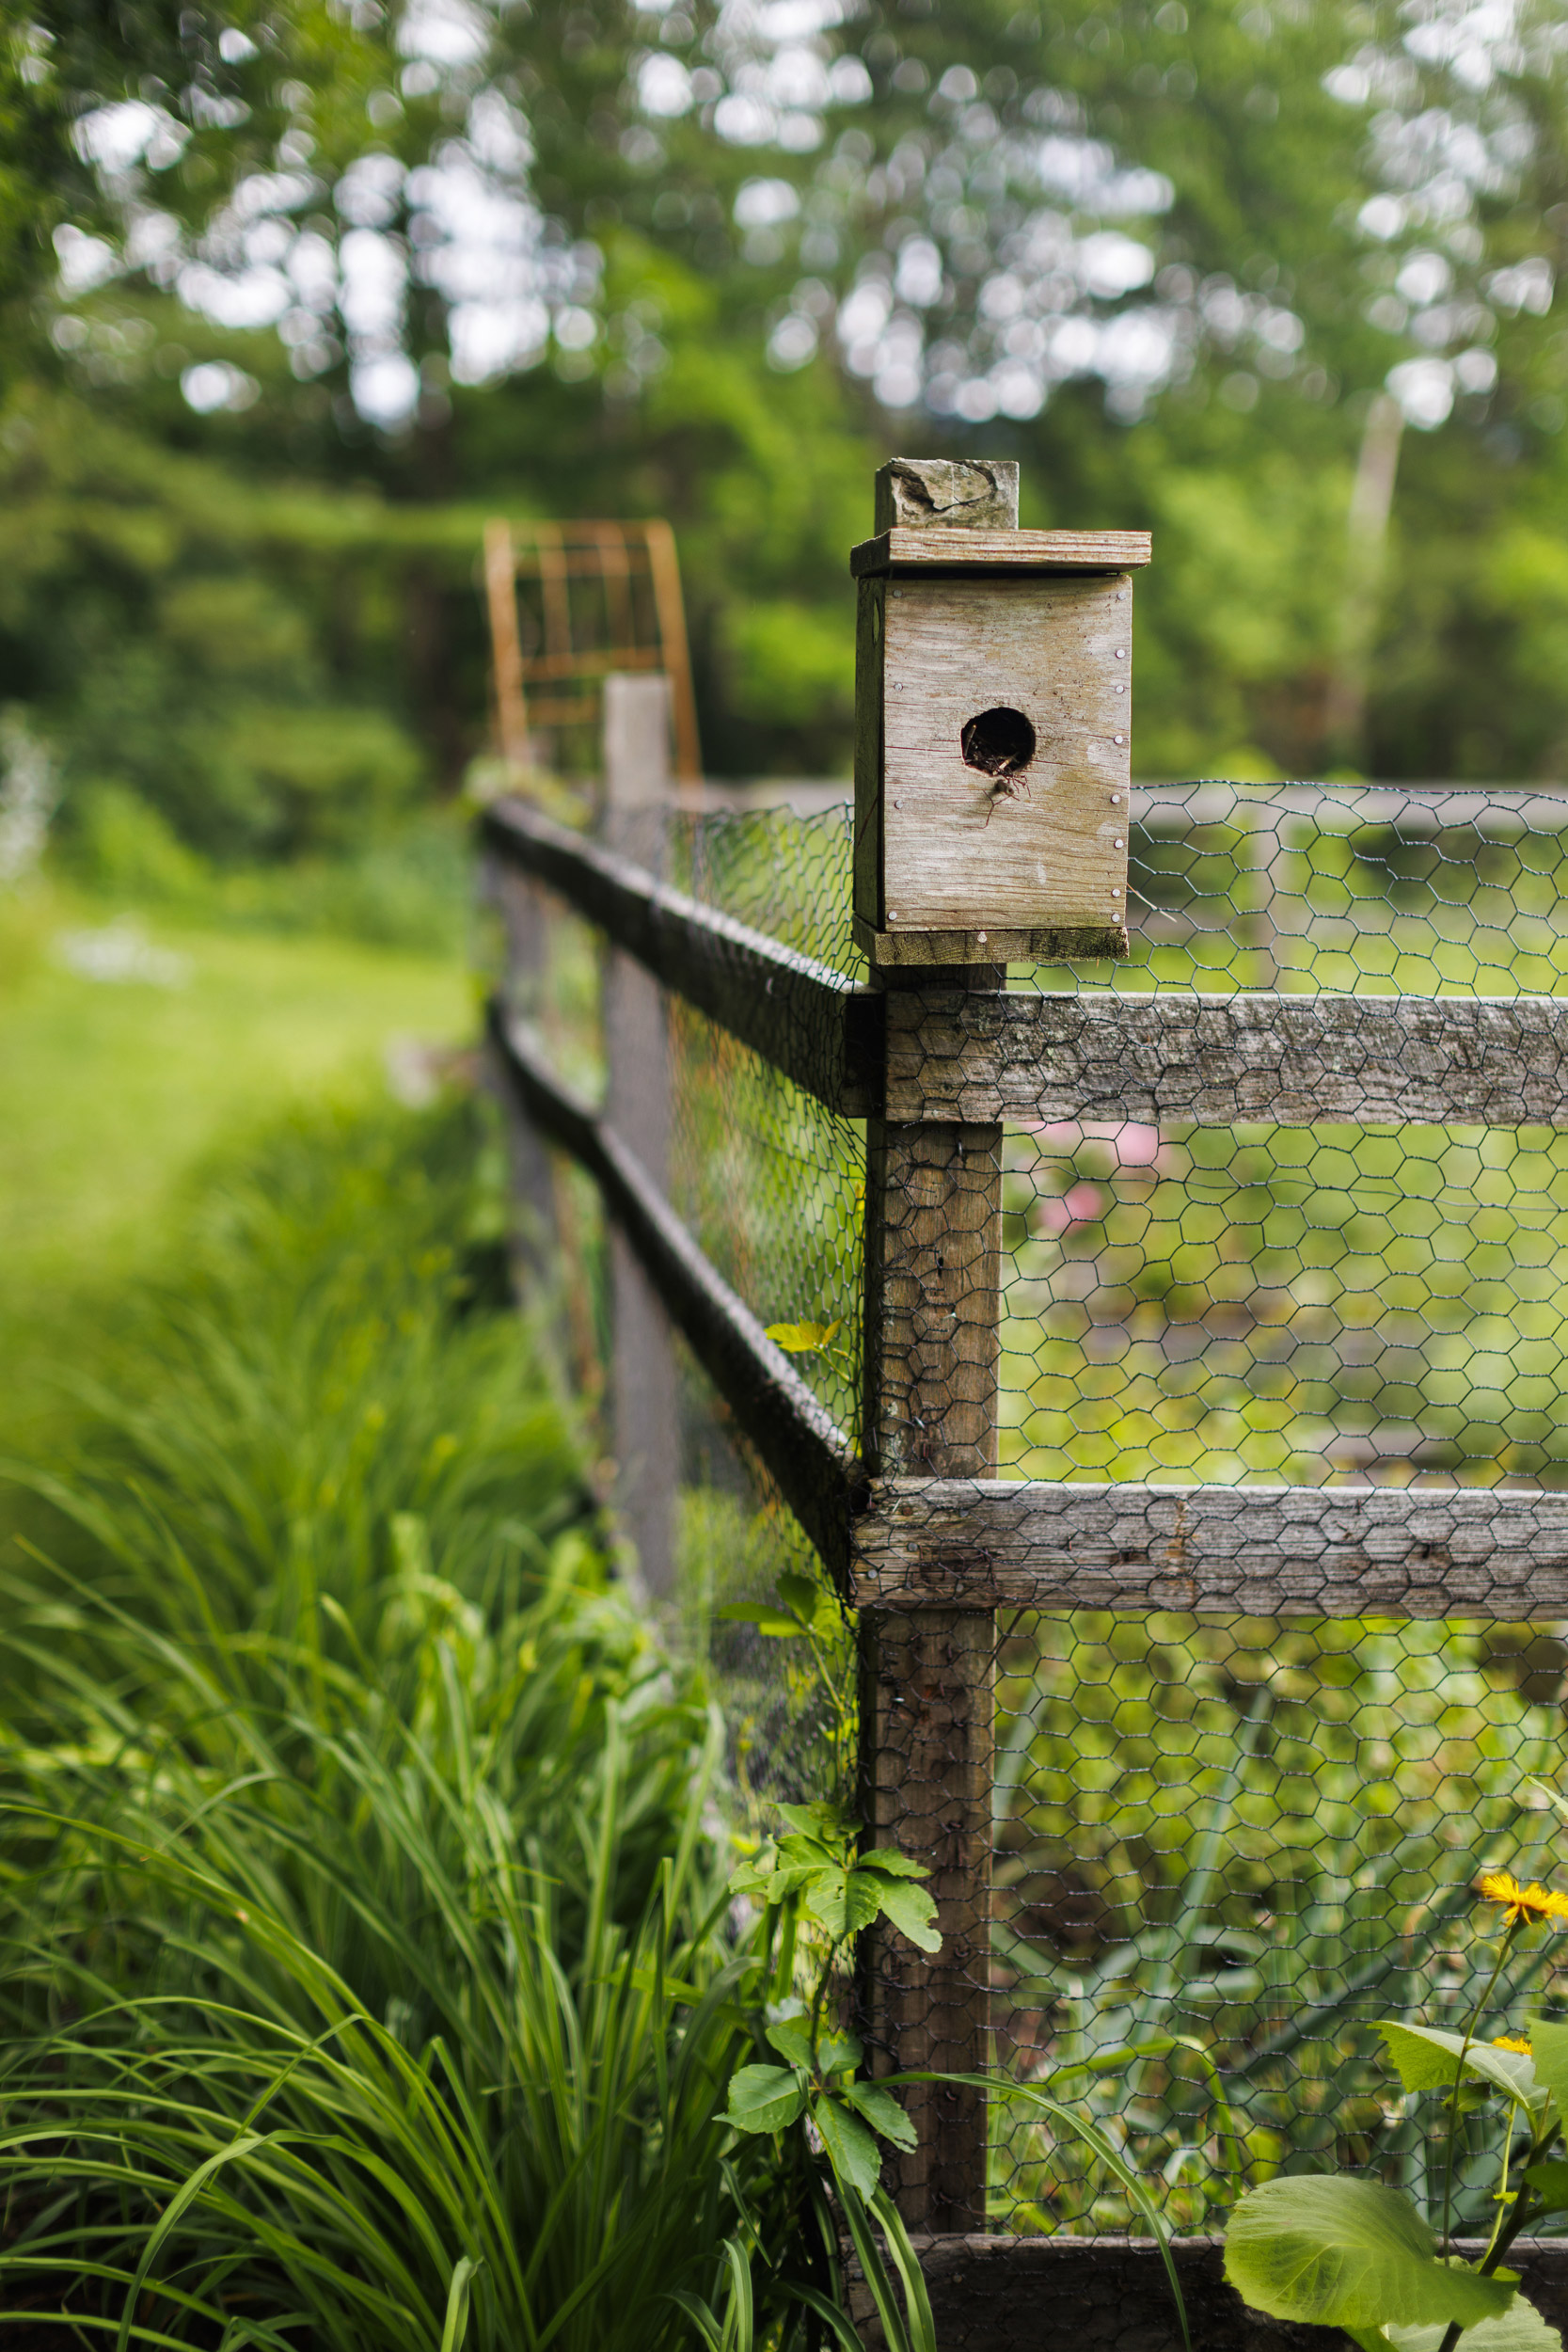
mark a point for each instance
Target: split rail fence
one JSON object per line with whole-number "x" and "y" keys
{"x": 1304, "y": 1226}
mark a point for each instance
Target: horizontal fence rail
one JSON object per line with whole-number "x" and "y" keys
{"x": 1266, "y": 1552}
{"x": 1212, "y": 1059}
{"x": 810, "y": 1022}
{"x": 798, "y": 1440}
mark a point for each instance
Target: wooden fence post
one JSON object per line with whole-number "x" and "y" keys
{"x": 524, "y": 929}
{"x": 933, "y": 1240}
{"x": 644, "y": 1417}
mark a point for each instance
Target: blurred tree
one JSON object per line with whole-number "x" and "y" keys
{"x": 715, "y": 261}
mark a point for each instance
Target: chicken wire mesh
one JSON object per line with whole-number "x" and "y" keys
{"x": 1260, "y": 1834}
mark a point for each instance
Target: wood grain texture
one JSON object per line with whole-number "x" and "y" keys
{"x": 643, "y": 1386}
{"x": 946, "y": 493}
{"x": 808, "y": 1021}
{"x": 926, "y": 1708}
{"x": 963, "y": 851}
{"x": 1296, "y": 1060}
{"x": 1261, "y": 1551}
{"x": 871, "y": 599}
{"x": 796, "y": 1438}
{"x": 933, "y": 1199}
{"x": 913, "y": 951}
{"x": 992, "y": 2294}
{"x": 905, "y": 550}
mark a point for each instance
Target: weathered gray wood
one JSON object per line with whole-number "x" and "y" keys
{"x": 1257, "y": 1551}
{"x": 948, "y": 550}
{"x": 1042, "y": 846}
{"x": 808, "y": 1021}
{"x": 928, "y": 1704}
{"x": 1111, "y": 2295}
{"x": 1376, "y": 1060}
{"x": 796, "y": 1436}
{"x": 643, "y": 1387}
{"x": 914, "y": 951}
{"x": 534, "y": 1238}
{"x": 946, "y": 493}
{"x": 933, "y": 1286}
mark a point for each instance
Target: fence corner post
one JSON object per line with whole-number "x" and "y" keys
{"x": 933, "y": 1217}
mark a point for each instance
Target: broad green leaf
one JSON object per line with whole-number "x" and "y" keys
{"x": 1335, "y": 2252}
{"x": 901, "y": 1866}
{"x": 826, "y": 1896}
{"x": 851, "y": 2151}
{"x": 912, "y": 1912}
{"x": 837, "y": 2052}
{"x": 1550, "y": 2044}
{"x": 801, "y": 1338}
{"x": 812, "y": 1602}
{"x": 1550, "y": 2183}
{"x": 764, "y": 2098}
{"x": 882, "y": 2111}
{"x": 791, "y": 2038}
{"x": 1425, "y": 2059}
{"x": 864, "y": 1891}
{"x": 766, "y": 1620}
{"x": 816, "y": 1820}
{"x": 1521, "y": 2328}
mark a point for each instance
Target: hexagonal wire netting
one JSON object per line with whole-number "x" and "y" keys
{"x": 1258, "y": 1833}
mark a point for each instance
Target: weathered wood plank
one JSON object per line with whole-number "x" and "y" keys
{"x": 1111, "y": 2295}
{"x": 914, "y": 951}
{"x": 1261, "y": 1551}
{"x": 1296, "y": 1060}
{"x": 905, "y": 549}
{"x": 932, "y": 1304}
{"x": 643, "y": 1387}
{"x": 793, "y": 1435}
{"x": 928, "y": 1707}
{"x": 808, "y": 1021}
{"x": 1007, "y": 729}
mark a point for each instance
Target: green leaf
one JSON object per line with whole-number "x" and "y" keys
{"x": 812, "y": 1602}
{"x": 822, "y": 1821}
{"x": 801, "y": 1338}
{"x": 791, "y": 2038}
{"x": 837, "y": 2052}
{"x": 1425, "y": 2059}
{"x": 851, "y": 2151}
{"x": 456, "y": 2326}
{"x": 901, "y": 1866}
{"x": 1550, "y": 2044}
{"x": 912, "y": 1912}
{"x": 766, "y": 1620}
{"x": 766, "y": 2098}
{"x": 826, "y": 1898}
{"x": 1335, "y": 2252}
{"x": 882, "y": 2111}
{"x": 1550, "y": 2183}
{"x": 864, "y": 1891}
{"x": 1521, "y": 2328}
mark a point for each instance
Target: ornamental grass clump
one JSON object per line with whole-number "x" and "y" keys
{"x": 1338, "y": 2252}
{"x": 367, "y": 1978}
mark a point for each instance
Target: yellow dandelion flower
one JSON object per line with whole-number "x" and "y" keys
{"x": 1526, "y": 1903}
{"x": 1511, "y": 2041}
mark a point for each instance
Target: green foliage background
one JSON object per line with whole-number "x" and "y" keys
{"x": 263, "y": 622}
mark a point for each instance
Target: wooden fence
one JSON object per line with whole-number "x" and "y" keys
{"x": 921, "y": 1537}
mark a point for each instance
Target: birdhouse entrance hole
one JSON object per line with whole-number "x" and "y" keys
{"x": 998, "y": 742}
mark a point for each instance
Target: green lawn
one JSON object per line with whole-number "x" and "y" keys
{"x": 112, "y": 1091}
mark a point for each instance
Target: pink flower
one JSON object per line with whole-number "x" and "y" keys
{"x": 1079, "y": 1205}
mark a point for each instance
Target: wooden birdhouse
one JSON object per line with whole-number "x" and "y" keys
{"x": 993, "y": 710}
